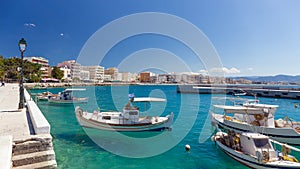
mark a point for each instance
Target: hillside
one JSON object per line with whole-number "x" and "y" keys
{"x": 277, "y": 78}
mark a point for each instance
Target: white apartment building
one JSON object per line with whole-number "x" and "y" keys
{"x": 113, "y": 72}
{"x": 67, "y": 73}
{"x": 125, "y": 77}
{"x": 107, "y": 78}
{"x": 76, "y": 71}
{"x": 84, "y": 75}
{"x": 96, "y": 73}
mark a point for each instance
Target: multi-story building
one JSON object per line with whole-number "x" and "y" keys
{"x": 67, "y": 73}
{"x": 125, "y": 77}
{"x": 75, "y": 71}
{"x": 84, "y": 75}
{"x": 96, "y": 73}
{"x": 113, "y": 72}
{"x": 68, "y": 64}
{"x": 75, "y": 68}
{"x": 166, "y": 78}
{"x": 145, "y": 77}
{"x": 46, "y": 71}
{"x": 107, "y": 78}
{"x": 190, "y": 77}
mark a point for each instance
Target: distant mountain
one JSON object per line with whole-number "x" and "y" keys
{"x": 277, "y": 78}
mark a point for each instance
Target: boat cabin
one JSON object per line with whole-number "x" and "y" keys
{"x": 257, "y": 145}
{"x": 131, "y": 114}
{"x": 67, "y": 94}
{"x": 254, "y": 114}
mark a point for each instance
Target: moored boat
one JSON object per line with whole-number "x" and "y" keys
{"x": 254, "y": 117}
{"x": 45, "y": 96}
{"x": 127, "y": 120}
{"x": 255, "y": 150}
{"x": 66, "y": 97}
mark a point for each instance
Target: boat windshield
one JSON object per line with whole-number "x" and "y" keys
{"x": 262, "y": 143}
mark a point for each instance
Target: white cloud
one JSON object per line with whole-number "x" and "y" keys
{"x": 32, "y": 25}
{"x": 202, "y": 71}
{"x": 225, "y": 70}
{"x": 189, "y": 73}
{"x": 250, "y": 69}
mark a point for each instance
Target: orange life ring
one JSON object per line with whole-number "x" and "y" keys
{"x": 228, "y": 118}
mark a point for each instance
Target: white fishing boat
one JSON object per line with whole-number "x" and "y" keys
{"x": 254, "y": 117}
{"x": 44, "y": 96}
{"x": 239, "y": 92}
{"x": 256, "y": 151}
{"x": 127, "y": 120}
{"x": 66, "y": 97}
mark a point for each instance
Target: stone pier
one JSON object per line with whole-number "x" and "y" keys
{"x": 25, "y": 140}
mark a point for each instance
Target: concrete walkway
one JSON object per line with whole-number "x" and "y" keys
{"x": 12, "y": 121}
{"x": 19, "y": 149}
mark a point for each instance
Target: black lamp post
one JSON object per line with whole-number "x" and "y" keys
{"x": 22, "y": 48}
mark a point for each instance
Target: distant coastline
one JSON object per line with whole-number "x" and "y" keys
{"x": 269, "y": 86}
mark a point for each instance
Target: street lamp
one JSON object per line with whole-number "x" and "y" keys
{"x": 22, "y": 48}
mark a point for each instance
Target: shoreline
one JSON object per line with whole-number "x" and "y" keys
{"x": 237, "y": 86}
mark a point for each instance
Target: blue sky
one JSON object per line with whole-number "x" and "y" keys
{"x": 252, "y": 37}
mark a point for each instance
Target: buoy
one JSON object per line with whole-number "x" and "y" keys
{"x": 187, "y": 148}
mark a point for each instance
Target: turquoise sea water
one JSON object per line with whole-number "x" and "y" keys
{"x": 75, "y": 149}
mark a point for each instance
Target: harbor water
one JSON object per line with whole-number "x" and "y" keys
{"x": 77, "y": 148}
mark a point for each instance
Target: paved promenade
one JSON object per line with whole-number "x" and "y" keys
{"x": 12, "y": 121}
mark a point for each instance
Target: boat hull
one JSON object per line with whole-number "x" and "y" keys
{"x": 252, "y": 162}
{"x": 165, "y": 125}
{"x": 284, "y": 135}
{"x": 67, "y": 101}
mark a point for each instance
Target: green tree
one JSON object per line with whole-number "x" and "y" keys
{"x": 76, "y": 79}
{"x": 57, "y": 73}
{"x": 32, "y": 72}
{"x": 11, "y": 67}
{"x": 2, "y": 68}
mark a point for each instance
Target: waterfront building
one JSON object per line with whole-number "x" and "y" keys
{"x": 46, "y": 71}
{"x": 113, "y": 72}
{"x": 177, "y": 78}
{"x": 147, "y": 77}
{"x": 191, "y": 77}
{"x": 76, "y": 71}
{"x": 68, "y": 64}
{"x": 84, "y": 75}
{"x": 75, "y": 68}
{"x": 166, "y": 78}
{"x": 96, "y": 73}
{"x": 107, "y": 78}
{"x": 67, "y": 73}
{"x": 125, "y": 77}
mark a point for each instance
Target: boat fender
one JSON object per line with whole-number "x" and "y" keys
{"x": 255, "y": 123}
{"x": 213, "y": 138}
{"x": 259, "y": 157}
{"x": 258, "y": 117}
{"x": 79, "y": 110}
{"x": 217, "y": 137}
{"x": 266, "y": 156}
